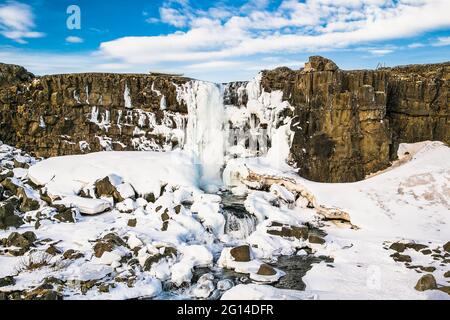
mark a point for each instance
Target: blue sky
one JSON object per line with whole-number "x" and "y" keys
{"x": 221, "y": 40}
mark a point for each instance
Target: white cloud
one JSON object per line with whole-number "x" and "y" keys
{"x": 73, "y": 39}
{"x": 294, "y": 26}
{"x": 380, "y": 52}
{"x": 17, "y": 22}
{"x": 442, "y": 41}
{"x": 416, "y": 45}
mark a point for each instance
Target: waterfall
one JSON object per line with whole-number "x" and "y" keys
{"x": 204, "y": 130}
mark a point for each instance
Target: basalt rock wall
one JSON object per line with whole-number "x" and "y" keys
{"x": 349, "y": 124}
{"x": 79, "y": 113}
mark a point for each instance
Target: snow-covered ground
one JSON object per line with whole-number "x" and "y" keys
{"x": 144, "y": 248}
{"x": 408, "y": 203}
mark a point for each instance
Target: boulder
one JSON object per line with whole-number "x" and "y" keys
{"x": 7, "y": 281}
{"x": 312, "y": 238}
{"x": 266, "y": 270}
{"x": 398, "y": 246}
{"x": 65, "y": 214}
{"x": 7, "y": 216}
{"x": 401, "y": 257}
{"x": 132, "y": 223}
{"x": 104, "y": 188}
{"x": 426, "y": 282}
{"x": 447, "y": 246}
{"x": 290, "y": 232}
{"x": 241, "y": 253}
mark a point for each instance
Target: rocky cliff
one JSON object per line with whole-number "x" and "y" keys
{"x": 349, "y": 124}
{"x": 346, "y": 124}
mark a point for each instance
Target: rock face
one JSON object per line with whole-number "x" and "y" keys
{"x": 347, "y": 124}
{"x": 80, "y": 113}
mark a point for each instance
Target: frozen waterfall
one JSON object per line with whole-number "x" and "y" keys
{"x": 204, "y": 131}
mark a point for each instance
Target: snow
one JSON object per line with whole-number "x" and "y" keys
{"x": 86, "y": 205}
{"x": 264, "y": 292}
{"x": 144, "y": 171}
{"x": 127, "y": 97}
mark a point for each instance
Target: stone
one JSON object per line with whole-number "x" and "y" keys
{"x": 398, "y": 246}
{"x": 426, "y": 251}
{"x": 27, "y": 203}
{"x": 152, "y": 260}
{"x": 266, "y": 270}
{"x": 104, "y": 188}
{"x": 426, "y": 282}
{"x": 416, "y": 246}
{"x": 447, "y": 274}
{"x": 16, "y": 239}
{"x": 30, "y": 236}
{"x": 447, "y": 246}
{"x": 8, "y": 184}
{"x": 52, "y": 250}
{"x": 241, "y": 253}
{"x": 312, "y": 238}
{"x": 165, "y": 216}
{"x": 150, "y": 198}
{"x": 132, "y": 223}
{"x": 102, "y": 247}
{"x": 72, "y": 255}
{"x": 290, "y": 232}
{"x": 7, "y": 216}
{"x": 7, "y": 281}
{"x": 65, "y": 215}
{"x": 401, "y": 257}
{"x": 178, "y": 209}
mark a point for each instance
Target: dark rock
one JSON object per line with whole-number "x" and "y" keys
{"x": 427, "y": 269}
{"x": 65, "y": 215}
{"x": 447, "y": 247}
{"x": 398, "y": 246}
{"x": 73, "y": 255}
{"x": 52, "y": 250}
{"x": 177, "y": 209}
{"x": 30, "y": 236}
{"x": 7, "y": 281}
{"x": 401, "y": 257}
{"x": 150, "y": 197}
{"x": 427, "y": 282}
{"x": 426, "y": 251}
{"x": 8, "y": 184}
{"x": 165, "y": 216}
{"x": 290, "y": 232}
{"x": 447, "y": 274}
{"x": 132, "y": 223}
{"x": 266, "y": 270}
{"x": 315, "y": 239}
{"x": 151, "y": 260}
{"x": 241, "y": 253}
{"x": 104, "y": 187}
{"x": 416, "y": 246}
{"x": 102, "y": 247}
{"x": 165, "y": 226}
{"x": 7, "y": 216}
{"x": 16, "y": 239}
